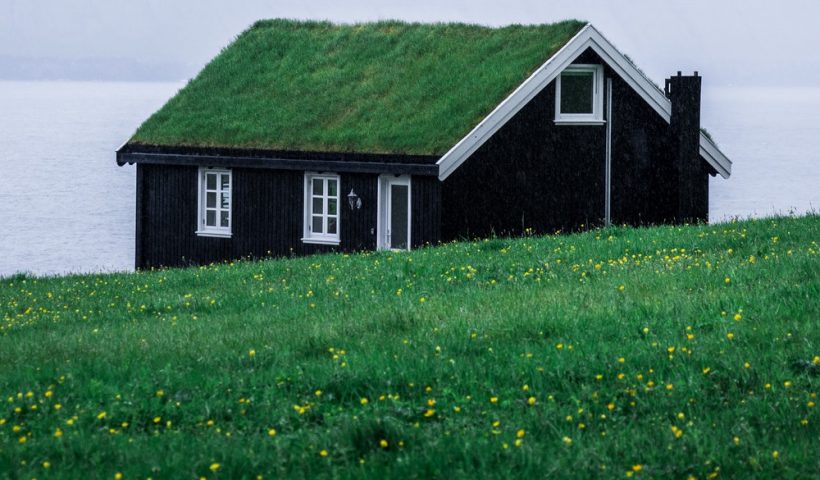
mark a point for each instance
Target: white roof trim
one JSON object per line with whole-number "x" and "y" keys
{"x": 587, "y": 37}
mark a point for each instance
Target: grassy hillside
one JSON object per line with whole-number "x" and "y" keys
{"x": 671, "y": 352}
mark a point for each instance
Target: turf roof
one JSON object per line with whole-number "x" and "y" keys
{"x": 386, "y": 87}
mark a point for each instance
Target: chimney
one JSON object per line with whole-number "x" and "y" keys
{"x": 692, "y": 178}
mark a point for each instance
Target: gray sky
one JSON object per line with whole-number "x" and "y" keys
{"x": 730, "y": 42}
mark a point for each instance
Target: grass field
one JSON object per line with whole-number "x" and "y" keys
{"x": 671, "y": 352}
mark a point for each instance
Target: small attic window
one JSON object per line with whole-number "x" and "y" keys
{"x": 579, "y": 95}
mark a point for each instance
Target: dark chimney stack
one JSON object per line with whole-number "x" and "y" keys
{"x": 693, "y": 179}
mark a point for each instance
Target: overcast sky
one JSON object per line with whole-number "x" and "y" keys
{"x": 730, "y": 42}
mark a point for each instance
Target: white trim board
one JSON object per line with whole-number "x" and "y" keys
{"x": 587, "y": 37}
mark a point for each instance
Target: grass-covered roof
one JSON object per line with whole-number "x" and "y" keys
{"x": 386, "y": 87}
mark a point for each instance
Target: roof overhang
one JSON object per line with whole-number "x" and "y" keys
{"x": 275, "y": 162}
{"x": 587, "y": 38}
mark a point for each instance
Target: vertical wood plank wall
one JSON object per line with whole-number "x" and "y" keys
{"x": 267, "y": 216}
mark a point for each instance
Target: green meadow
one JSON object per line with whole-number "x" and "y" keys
{"x": 667, "y": 352}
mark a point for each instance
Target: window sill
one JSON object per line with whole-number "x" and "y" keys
{"x": 580, "y": 122}
{"x": 206, "y": 233}
{"x": 320, "y": 241}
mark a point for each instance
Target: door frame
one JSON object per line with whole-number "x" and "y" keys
{"x": 383, "y": 209}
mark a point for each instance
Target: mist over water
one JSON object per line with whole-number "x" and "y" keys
{"x": 66, "y": 207}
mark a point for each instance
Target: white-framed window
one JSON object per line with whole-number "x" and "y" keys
{"x": 214, "y": 202}
{"x": 321, "y": 222}
{"x": 579, "y": 95}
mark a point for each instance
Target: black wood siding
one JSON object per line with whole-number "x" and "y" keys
{"x": 535, "y": 174}
{"x": 267, "y": 215}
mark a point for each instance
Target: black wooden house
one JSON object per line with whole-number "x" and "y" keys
{"x": 305, "y": 137}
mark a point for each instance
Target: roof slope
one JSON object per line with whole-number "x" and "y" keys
{"x": 386, "y": 87}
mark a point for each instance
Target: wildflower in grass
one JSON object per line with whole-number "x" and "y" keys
{"x": 215, "y": 467}
{"x": 681, "y": 416}
{"x": 787, "y": 384}
{"x": 738, "y": 317}
{"x": 363, "y": 401}
{"x": 621, "y": 359}
{"x": 318, "y": 393}
{"x": 429, "y": 413}
{"x": 730, "y": 335}
{"x": 160, "y": 393}
{"x": 422, "y": 300}
{"x": 637, "y": 468}
{"x": 816, "y": 360}
{"x": 768, "y": 386}
{"x": 520, "y": 433}
{"x": 431, "y": 402}
{"x": 101, "y": 415}
{"x": 157, "y": 419}
{"x": 46, "y": 464}
{"x": 48, "y": 394}
{"x": 567, "y": 441}
{"x": 531, "y": 401}
{"x": 559, "y": 346}
{"x": 610, "y": 406}
{"x": 599, "y": 377}
{"x": 271, "y": 432}
{"x": 727, "y": 280}
{"x": 670, "y": 386}
{"x": 58, "y": 433}
{"x": 457, "y": 409}
{"x": 746, "y": 365}
{"x": 525, "y": 387}
{"x": 676, "y": 431}
{"x": 383, "y": 443}
{"x": 493, "y": 400}
{"x": 621, "y": 288}
{"x": 518, "y": 442}
{"x": 209, "y": 423}
{"x": 22, "y": 439}
{"x": 57, "y": 406}
{"x": 775, "y": 454}
{"x": 251, "y": 353}
{"x": 118, "y": 476}
{"x": 323, "y": 453}
{"x": 736, "y": 440}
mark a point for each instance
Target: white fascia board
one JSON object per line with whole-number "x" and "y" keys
{"x": 587, "y": 37}
{"x": 712, "y": 154}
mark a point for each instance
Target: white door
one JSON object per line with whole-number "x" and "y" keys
{"x": 394, "y": 213}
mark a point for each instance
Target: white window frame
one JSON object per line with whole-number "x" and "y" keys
{"x": 204, "y": 230}
{"x": 307, "y": 218}
{"x": 383, "y": 212}
{"x": 597, "y": 115}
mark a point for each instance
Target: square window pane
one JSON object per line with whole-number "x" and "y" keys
{"x": 332, "y": 187}
{"x": 210, "y": 202}
{"x": 317, "y": 224}
{"x": 331, "y": 225}
{"x": 210, "y": 181}
{"x": 577, "y": 92}
{"x": 224, "y": 219}
{"x": 318, "y": 186}
{"x": 226, "y": 199}
{"x": 317, "y": 205}
{"x": 226, "y": 181}
{"x": 210, "y": 218}
{"x": 331, "y": 206}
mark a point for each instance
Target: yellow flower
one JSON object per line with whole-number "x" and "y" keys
{"x": 271, "y": 432}
{"x": 567, "y": 441}
{"x": 429, "y": 412}
{"x": 493, "y": 399}
{"x": 157, "y": 419}
{"x": 214, "y": 467}
{"x": 323, "y": 453}
{"x": 251, "y": 353}
{"x": 637, "y": 468}
{"x": 730, "y": 335}
{"x": 610, "y": 406}
{"x": 669, "y": 386}
{"x": 518, "y": 442}
{"x": 736, "y": 440}
{"x": 520, "y": 433}
{"x": 46, "y": 464}
{"x": 621, "y": 360}
{"x": 727, "y": 280}
{"x": 457, "y": 409}
{"x": 318, "y": 393}
{"x": 383, "y": 443}
{"x": 48, "y": 393}
{"x": 738, "y": 317}
{"x": 118, "y": 476}
{"x": 101, "y": 415}
{"x": 531, "y": 401}
{"x": 363, "y": 401}
{"x": 787, "y": 384}
{"x": 706, "y": 370}
{"x": 746, "y": 365}
{"x": 160, "y": 393}
{"x": 58, "y": 433}
{"x": 22, "y": 439}
{"x": 775, "y": 454}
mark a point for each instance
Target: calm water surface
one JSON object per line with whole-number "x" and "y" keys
{"x": 66, "y": 207}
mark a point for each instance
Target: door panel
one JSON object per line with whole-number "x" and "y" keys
{"x": 398, "y": 219}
